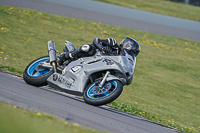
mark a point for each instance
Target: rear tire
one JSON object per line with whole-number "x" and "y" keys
{"x": 103, "y": 98}
{"x": 32, "y": 77}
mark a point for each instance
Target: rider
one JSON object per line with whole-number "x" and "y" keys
{"x": 108, "y": 46}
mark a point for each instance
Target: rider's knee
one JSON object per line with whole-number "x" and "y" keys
{"x": 85, "y": 48}
{"x": 88, "y": 48}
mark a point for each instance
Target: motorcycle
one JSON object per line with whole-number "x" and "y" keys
{"x": 99, "y": 78}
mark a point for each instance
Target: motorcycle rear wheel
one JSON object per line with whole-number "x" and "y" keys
{"x": 34, "y": 77}
{"x": 101, "y": 96}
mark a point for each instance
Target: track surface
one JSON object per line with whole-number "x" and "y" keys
{"x": 114, "y": 15}
{"x": 16, "y": 92}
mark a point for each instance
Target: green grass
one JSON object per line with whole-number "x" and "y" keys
{"x": 16, "y": 120}
{"x": 161, "y": 7}
{"x": 166, "y": 81}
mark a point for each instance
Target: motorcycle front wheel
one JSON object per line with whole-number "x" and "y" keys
{"x": 100, "y": 96}
{"x": 37, "y": 76}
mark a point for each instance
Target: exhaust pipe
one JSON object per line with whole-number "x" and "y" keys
{"x": 52, "y": 54}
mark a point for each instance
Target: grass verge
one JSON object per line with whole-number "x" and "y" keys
{"x": 164, "y": 7}
{"x": 166, "y": 80}
{"x": 16, "y": 120}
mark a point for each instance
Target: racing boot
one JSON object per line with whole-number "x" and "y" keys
{"x": 61, "y": 59}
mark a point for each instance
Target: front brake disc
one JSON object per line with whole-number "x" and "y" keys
{"x": 99, "y": 91}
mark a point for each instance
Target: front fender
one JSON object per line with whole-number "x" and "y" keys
{"x": 112, "y": 77}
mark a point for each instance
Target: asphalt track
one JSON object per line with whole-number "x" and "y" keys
{"x": 114, "y": 15}
{"x": 16, "y": 92}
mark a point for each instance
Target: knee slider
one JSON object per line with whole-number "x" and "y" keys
{"x": 85, "y": 48}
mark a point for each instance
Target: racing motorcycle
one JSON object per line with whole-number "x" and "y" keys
{"x": 99, "y": 78}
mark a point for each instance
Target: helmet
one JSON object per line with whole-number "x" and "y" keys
{"x": 130, "y": 45}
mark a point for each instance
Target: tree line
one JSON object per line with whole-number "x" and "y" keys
{"x": 189, "y": 2}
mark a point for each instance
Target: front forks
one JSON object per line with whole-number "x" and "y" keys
{"x": 101, "y": 84}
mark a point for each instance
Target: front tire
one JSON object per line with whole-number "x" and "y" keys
{"x": 101, "y": 96}
{"x": 37, "y": 78}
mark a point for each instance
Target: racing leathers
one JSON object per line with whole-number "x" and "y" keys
{"x": 108, "y": 46}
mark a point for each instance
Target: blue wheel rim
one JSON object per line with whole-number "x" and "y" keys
{"x": 93, "y": 96}
{"x": 32, "y": 68}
